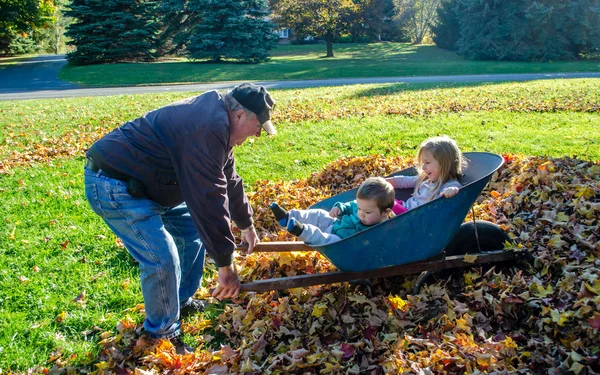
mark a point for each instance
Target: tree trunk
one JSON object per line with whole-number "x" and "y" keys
{"x": 329, "y": 39}
{"x": 56, "y": 40}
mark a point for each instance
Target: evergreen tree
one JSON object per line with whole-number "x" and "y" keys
{"x": 447, "y": 30}
{"x": 177, "y": 22}
{"x": 231, "y": 29}
{"x": 528, "y": 30}
{"x": 111, "y": 30}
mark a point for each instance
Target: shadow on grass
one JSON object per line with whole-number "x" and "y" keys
{"x": 396, "y": 88}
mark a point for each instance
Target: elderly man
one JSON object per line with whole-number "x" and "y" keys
{"x": 166, "y": 184}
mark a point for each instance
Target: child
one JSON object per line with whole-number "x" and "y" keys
{"x": 440, "y": 165}
{"x": 373, "y": 205}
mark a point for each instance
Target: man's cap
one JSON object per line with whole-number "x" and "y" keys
{"x": 257, "y": 100}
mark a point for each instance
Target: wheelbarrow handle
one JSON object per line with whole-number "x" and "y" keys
{"x": 278, "y": 247}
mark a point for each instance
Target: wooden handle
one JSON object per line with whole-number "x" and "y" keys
{"x": 279, "y": 247}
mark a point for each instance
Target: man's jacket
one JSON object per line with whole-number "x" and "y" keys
{"x": 181, "y": 153}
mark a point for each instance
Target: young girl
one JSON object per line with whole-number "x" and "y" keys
{"x": 440, "y": 165}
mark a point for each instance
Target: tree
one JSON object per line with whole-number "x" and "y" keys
{"x": 52, "y": 36}
{"x": 111, "y": 30}
{"x": 377, "y": 19}
{"x": 446, "y": 31}
{"x": 231, "y": 29}
{"x": 19, "y": 20}
{"x": 518, "y": 30}
{"x": 176, "y": 23}
{"x": 418, "y": 15}
{"x": 328, "y": 18}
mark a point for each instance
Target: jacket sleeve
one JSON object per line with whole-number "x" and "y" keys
{"x": 451, "y": 183}
{"x": 345, "y": 208}
{"x": 405, "y": 182}
{"x": 239, "y": 206}
{"x": 203, "y": 182}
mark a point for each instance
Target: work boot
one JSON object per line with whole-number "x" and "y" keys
{"x": 181, "y": 348}
{"x": 195, "y": 306}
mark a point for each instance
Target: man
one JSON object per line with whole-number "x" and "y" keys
{"x": 166, "y": 184}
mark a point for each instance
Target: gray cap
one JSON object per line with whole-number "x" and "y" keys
{"x": 257, "y": 100}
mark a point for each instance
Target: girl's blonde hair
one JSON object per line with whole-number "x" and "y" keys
{"x": 452, "y": 162}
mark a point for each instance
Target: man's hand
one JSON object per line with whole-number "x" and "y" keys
{"x": 449, "y": 192}
{"x": 250, "y": 237}
{"x": 229, "y": 283}
{"x": 335, "y": 212}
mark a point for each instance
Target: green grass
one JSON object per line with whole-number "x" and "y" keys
{"x": 307, "y": 62}
{"x": 43, "y": 204}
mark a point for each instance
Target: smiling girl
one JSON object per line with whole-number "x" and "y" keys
{"x": 440, "y": 164}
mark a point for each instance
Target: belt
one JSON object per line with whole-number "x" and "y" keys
{"x": 108, "y": 172}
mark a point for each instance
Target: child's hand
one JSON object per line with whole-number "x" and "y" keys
{"x": 335, "y": 211}
{"x": 391, "y": 181}
{"x": 449, "y": 192}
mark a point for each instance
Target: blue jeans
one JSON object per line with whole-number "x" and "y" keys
{"x": 163, "y": 240}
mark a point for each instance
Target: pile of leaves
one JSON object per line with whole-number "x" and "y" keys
{"x": 537, "y": 316}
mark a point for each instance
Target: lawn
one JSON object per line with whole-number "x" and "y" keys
{"x": 295, "y": 62}
{"x": 67, "y": 284}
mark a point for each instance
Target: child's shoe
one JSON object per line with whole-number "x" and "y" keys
{"x": 280, "y": 214}
{"x": 295, "y": 227}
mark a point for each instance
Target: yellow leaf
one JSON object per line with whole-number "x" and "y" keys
{"x": 509, "y": 343}
{"x": 585, "y": 191}
{"x": 397, "y": 302}
{"x": 562, "y": 217}
{"x": 461, "y": 325}
{"x": 470, "y": 277}
{"x": 560, "y": 318}
{"x": 470, "y": 258}
{"x": 556, "y": 242}
{"x": 102, "y": 365}
{"x": 319, "y": 309}
{"x": 541, "y": 292}
{"x": 286, "y": 259}
{"x": 61, "y": 317}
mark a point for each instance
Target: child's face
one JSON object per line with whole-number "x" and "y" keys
{"x": 369, "y": 213}
{"x": 430, "y": 166}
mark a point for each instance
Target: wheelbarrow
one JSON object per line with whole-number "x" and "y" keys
{"x": 425, "y": 239}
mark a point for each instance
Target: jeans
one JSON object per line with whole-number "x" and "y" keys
{"x": 163, "y": 240}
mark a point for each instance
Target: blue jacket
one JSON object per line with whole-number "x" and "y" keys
{"x": 348, "y": 222}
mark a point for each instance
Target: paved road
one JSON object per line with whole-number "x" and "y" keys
{"x": 29, "y": 84}
{"x": 37, "y": 74}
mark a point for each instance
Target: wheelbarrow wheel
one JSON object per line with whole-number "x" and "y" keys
{"x": 491, "y": 237}
{"x": 488, "y": 237}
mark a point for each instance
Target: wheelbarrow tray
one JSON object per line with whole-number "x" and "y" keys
{"x": 416, "y": 235}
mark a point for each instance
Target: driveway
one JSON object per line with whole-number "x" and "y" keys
{"x": 36, "y": 74}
